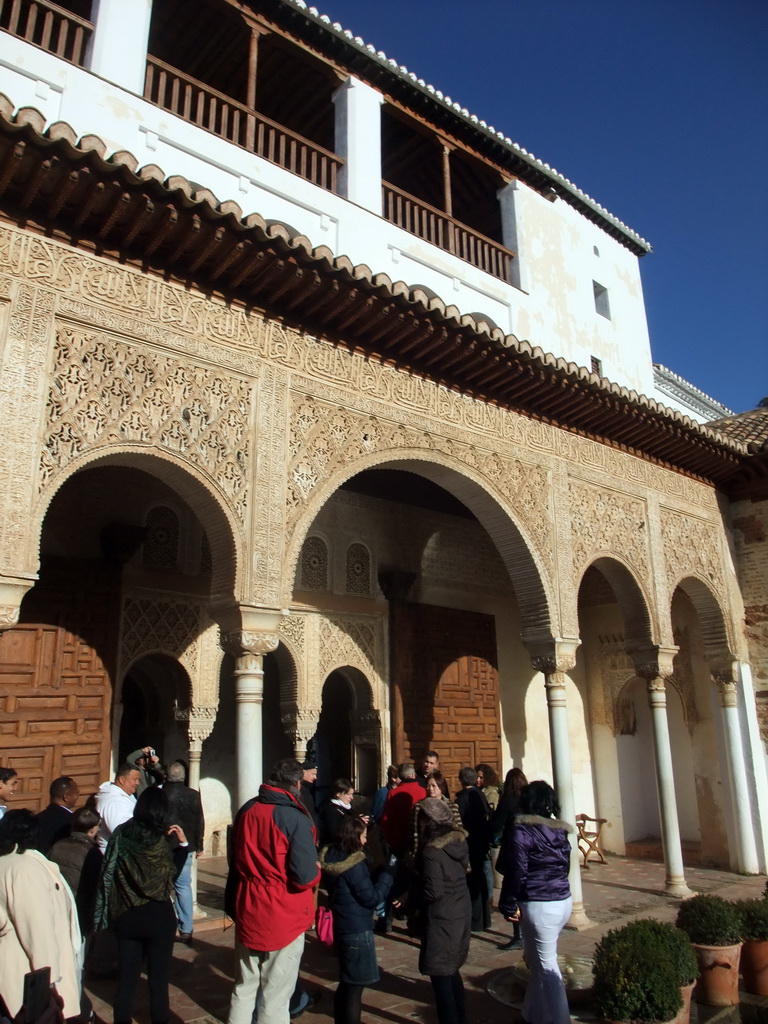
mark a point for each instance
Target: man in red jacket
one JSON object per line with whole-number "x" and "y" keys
{"x": 274, "y": 870}
{"x": 398, "y": 809}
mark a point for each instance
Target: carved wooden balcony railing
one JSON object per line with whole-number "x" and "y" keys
{"x": 193, "y": 101}
{"x": 47, "y": 26}
{"x": 438, "y": 228}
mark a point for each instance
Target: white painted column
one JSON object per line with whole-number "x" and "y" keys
{"x": 511, "y": 198}
{"x": 746, "y": 853}
{"x": 195, "y": 755}
{"x": 118, "y": 49}
{"x": 554, "y": 666}
{"x": 358, "y": 142}
{"x": 249, "y": 695}
{"x": 675, "y": 884}
{"x": 755, "y": 760}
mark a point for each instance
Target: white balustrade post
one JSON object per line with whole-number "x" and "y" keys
{"x": 358, "y": 142}
{"x": 118, "y": 48}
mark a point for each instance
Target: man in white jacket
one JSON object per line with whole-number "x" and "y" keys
{"x": 115, "y": 801}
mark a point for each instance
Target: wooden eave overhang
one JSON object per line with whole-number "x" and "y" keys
{"x": 66, "y": 188}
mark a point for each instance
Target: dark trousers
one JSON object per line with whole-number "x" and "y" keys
{"x": 347, "y": 1003}
{"x": 149, "y": 931}
{"x": 449, "y": 998}
{"x": 478, "y": 892}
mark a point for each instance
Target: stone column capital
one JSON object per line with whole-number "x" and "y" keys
{"x": 201, "y": 721}
{"x": 300, "y": 723}
{"x": 247, "y": 629}
{"x": 553, "y": 657}
{"x": 241, "y": 642}
{"x": 723, "y": 667}
{"x": 12, "y": 593}
{"x": 652, "y": 663}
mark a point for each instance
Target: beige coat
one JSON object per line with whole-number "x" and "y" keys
{"x": 38, "y": 928}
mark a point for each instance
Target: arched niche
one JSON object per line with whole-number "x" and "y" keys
{"x": 222, "y": 531}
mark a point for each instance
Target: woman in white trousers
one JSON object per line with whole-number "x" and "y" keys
{"x": 536, "y": 857}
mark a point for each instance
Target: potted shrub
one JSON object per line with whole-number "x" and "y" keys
{"x": 754, "y": 951}
{"x": 664, "y": 944}
{"x": 635, "y": 979}
{"x": 714, "y": 927}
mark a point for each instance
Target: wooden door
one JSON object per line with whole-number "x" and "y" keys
{"x": 445, "y": 687}
{"x": 56, "y": 690}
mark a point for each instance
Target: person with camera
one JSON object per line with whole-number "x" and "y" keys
{"x": 151, "y": 772}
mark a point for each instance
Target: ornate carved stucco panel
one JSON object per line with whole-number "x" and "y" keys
{"x": 378, "y": 390}
{"x": 105, "y": 391}
{"x": 28, "y": 327}
{"x": 180, "y": 629}
{"x": 607, "y": 522}
{"x": 324, "y": 439}
{"x": 616, "y": 669}
{"x": 693, "y": 547}
{"x": 268, "y": 526}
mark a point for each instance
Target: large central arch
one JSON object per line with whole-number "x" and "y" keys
{"x": 524, "y": 564}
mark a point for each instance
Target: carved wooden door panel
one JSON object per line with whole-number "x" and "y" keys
{"x": 446, "y": 687}
{"x": 56, "y": 694}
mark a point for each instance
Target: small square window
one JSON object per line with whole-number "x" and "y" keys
{"x": 596, "y": 365}
{"x": 601, "y": 300}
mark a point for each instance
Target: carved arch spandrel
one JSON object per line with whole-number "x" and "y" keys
{"x": 607, "y": 522}
{"x": 496, "y": 503}
{"x": 692, "y": 548}
{"x": 225, "y": 534}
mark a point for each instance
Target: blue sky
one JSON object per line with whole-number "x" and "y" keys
{"x": 656, "y": 108}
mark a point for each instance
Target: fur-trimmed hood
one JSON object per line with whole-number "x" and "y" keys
{"x": 535, "y": 819}
{"x": 334, "y": 867}
{"x": 456, "y": 838}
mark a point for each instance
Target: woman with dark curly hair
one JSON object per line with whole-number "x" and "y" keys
{"x": 38, "y": 917}
{"x": 536, "y": 889}
{"x": 135, "y": 899}
{"x": 354, "y": 896}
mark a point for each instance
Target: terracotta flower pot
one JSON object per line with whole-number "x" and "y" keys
{"x": 684, "y": 1013}
{"x": 754, "y": 966}
{"x": 718, "y": 983}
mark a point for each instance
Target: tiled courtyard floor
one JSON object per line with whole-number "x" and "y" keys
{"x": 614, "y": 893}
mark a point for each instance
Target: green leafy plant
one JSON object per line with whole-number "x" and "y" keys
{"x": 754, "y": 918}
{"x": 710, "y": 921}
{"x": 637, "y": 971}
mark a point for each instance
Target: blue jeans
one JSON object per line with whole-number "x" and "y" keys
{"x": 183, "y": 885}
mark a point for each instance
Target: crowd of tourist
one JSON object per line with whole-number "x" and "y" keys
{"x": 112, "y": 879}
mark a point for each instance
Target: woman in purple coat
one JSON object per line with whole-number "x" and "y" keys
{"x": 536, "y": 889}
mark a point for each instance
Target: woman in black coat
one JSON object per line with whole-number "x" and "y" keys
{"x": 442, "y": 863}
{"x": 335, "y": 810}
{"x": 354, "y": 897}
{"x": 502, "y": 825}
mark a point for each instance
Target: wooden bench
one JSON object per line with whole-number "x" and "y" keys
{"x": 589, "y": 837}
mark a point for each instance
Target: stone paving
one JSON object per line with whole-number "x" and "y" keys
{"x": 614, "y": 893}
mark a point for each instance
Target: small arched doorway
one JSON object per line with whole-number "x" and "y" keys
{"x": 155, "y": 689}
{"x": 332, "y": 745}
